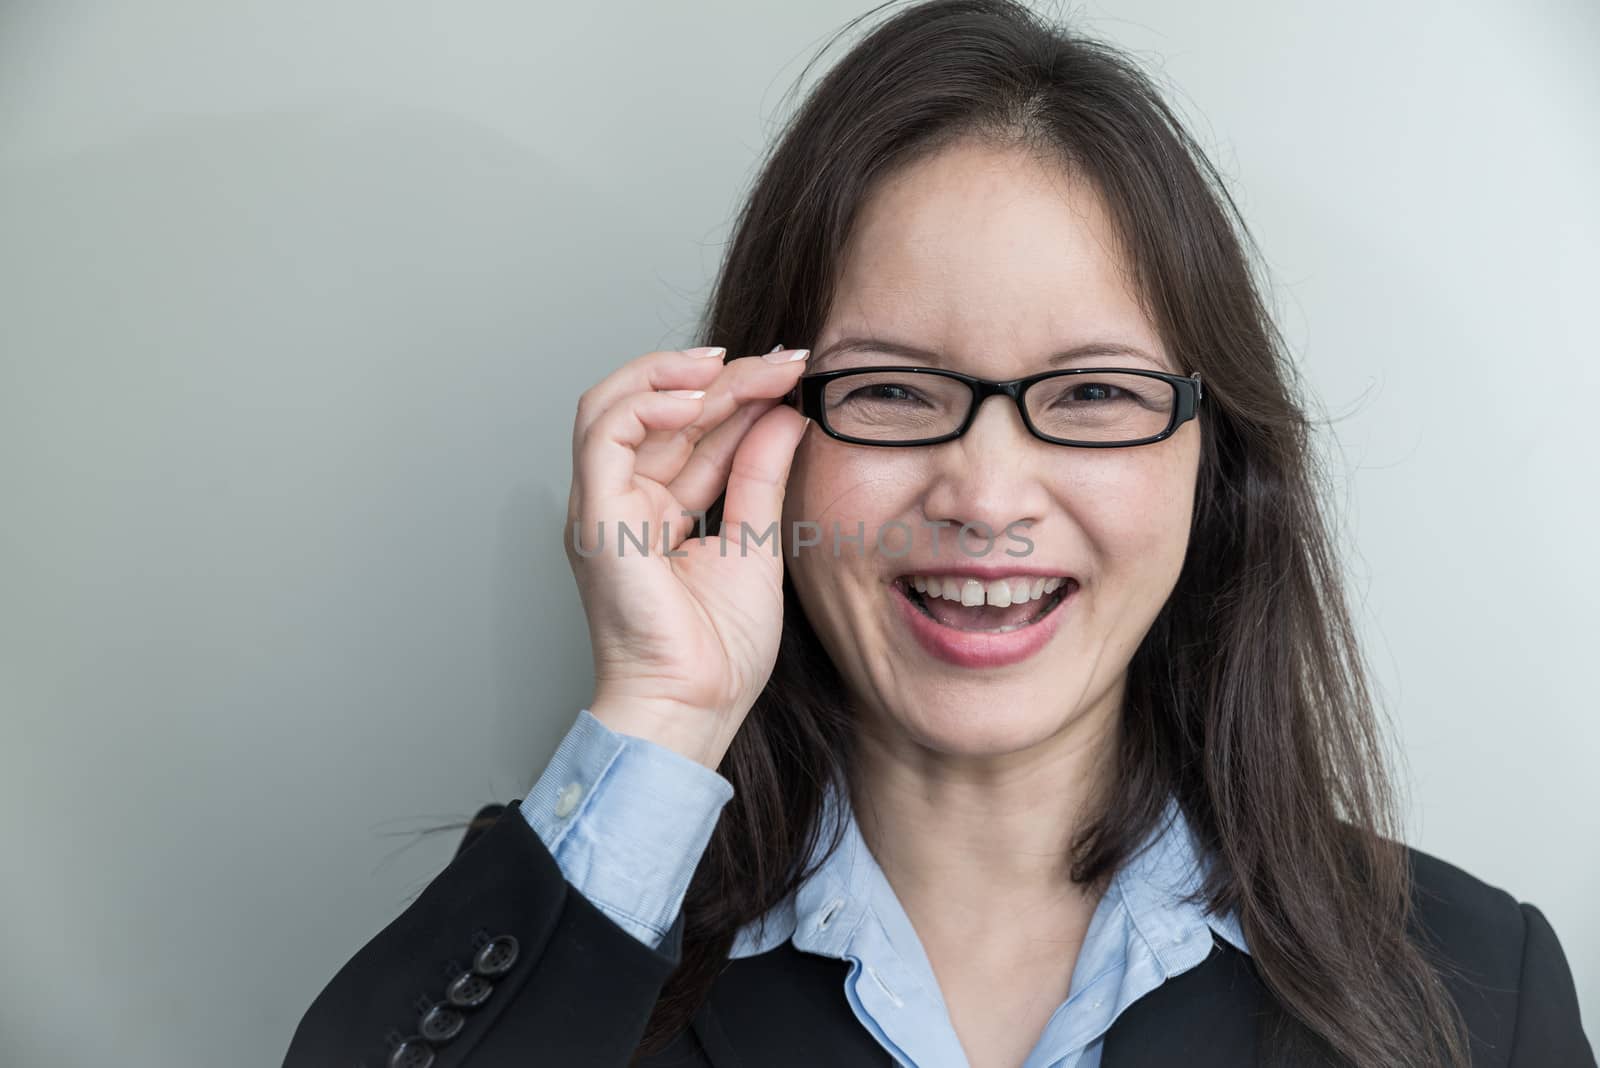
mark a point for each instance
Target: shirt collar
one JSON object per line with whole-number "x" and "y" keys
{"x": 827, "y": 914}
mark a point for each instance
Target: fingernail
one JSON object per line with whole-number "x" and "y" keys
{"x": 706, "y": 351}
{"x": 690, "y": 393}
{"x": 777, "y": 348}
{"x": 786, "y": 355}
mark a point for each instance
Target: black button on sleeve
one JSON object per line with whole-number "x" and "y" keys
{"x": 441, "y": 1023}
{"x": 496, "y": 958}
{"x": 468, "y": 991}
{"x": 411, "y": 1053}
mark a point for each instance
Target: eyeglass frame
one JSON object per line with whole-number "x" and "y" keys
{"x": 806, "y": 396}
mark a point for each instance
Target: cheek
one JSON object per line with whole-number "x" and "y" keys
{"x": 833, "y": 487}
{"x": 1137, "y": 514}
{"x": 816, "y": 501}
{"x": 1141, "y": 526}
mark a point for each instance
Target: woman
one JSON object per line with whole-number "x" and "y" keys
{"x": 942, "y": 727}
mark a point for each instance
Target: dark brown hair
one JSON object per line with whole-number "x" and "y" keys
{"x": 1248, "y": 698}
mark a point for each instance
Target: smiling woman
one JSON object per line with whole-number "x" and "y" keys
{"x": 1107, "y": 791}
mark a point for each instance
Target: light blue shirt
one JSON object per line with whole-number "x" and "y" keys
{"x": 628, "y": 821}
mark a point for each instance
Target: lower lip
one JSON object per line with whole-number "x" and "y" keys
{"x": 976, "y": 648}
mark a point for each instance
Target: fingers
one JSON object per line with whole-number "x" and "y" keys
{"x": 743, "y": 383}
{"x": 760, "y": 469}
{"x": 667, "y": 369}
{"x": 702, "y": 477}
{"x": 685, "y": 444}
{"x": 604, "y": 465}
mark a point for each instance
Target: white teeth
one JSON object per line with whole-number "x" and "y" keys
{"x": 1000, "y": 592}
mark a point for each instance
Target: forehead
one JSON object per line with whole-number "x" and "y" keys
{"x": 976, "y": 248}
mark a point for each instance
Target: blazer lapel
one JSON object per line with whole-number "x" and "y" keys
{"x": 1207, "y": 1017}
{"x": 785, "y": 1009}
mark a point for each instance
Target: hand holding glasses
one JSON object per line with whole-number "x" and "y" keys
{"x": 684, "y": 630}
{"x": 1087, "y": 407}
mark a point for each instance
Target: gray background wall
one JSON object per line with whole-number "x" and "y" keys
{"x": 296, "y": 300}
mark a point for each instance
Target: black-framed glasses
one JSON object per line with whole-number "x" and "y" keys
{"x": 1087, "y": 407}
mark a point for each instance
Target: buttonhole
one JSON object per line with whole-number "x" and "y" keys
{"x": 895, "y": 998}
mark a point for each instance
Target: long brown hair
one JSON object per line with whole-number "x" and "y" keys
{"x": 1248, "y": 698}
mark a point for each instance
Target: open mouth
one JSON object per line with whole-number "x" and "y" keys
{"x": 969, "y": 604}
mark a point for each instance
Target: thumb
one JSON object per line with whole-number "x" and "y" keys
{"x": 760, "y": 469}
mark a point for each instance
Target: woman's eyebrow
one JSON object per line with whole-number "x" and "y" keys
{"x": 847, "y": 345}
{"x": 1105, "y": 350}
{"x": 1096, "y": 350}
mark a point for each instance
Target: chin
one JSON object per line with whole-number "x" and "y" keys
{"x": 978, "y": 720}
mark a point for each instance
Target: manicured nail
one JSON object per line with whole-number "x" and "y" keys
{"x": 690, "y": 393}
{"x": 777, "y": 348}
{"x": 786, "y": 355}
{"x": 706, "y": 352}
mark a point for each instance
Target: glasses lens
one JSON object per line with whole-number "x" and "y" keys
{"x": 895, "y": 405}
{"x": 1101, "y": 406}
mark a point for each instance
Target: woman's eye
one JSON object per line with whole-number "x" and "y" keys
{"x": 881, "y": 391}
{"x": 1090, "y": 392}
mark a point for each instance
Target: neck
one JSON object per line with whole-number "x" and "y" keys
{"x": 972, "y": 842}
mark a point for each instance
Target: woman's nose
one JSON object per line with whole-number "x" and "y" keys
{"x": 992, "y": 476}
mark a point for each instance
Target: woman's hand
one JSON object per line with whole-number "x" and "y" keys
{"x": 683, "y": 643}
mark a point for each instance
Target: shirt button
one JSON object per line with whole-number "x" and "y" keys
{"x": 567, "y": 799}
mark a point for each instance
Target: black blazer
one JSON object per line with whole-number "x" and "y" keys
{"x": 504, "y": 964}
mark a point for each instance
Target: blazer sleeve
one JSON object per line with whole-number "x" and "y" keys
{"x": 1549, "y": 1027}
{"x": 498, "y": 960}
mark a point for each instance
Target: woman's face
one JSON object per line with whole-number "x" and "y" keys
{"x": 991, "y": 263}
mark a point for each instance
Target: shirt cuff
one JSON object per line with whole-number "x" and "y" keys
{"x": 627, "y": 821}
